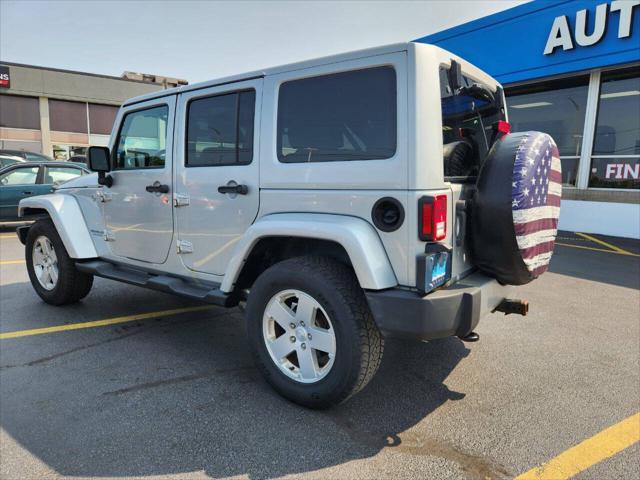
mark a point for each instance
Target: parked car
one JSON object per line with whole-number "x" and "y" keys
{"x": 79, "y": 159}
{"x": 10, "y": 160}
{"x": 26, "y": 179}
{"x": 28, "y": 156}
{"x": 345, "y": 199}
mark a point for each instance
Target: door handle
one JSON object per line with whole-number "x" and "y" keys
{"x": 239, "y": 189}
{"x": 27, "y": 193}
{"x": 157, "y": 187}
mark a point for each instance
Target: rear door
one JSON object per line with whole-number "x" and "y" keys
{"x": 217, "y": 189}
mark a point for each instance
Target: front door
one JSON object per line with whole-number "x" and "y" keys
{"x": 138, "y": 213}
{"x": 217, "y": 192}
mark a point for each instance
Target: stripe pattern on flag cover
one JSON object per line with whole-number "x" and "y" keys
{"x": 536, "y": 190}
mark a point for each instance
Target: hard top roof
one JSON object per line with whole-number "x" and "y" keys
{"x": 396, "y": 47}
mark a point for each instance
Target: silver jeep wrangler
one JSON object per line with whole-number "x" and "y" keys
{"x": 336, "y": 197}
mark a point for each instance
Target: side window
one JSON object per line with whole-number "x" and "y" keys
{"x": 61, "y": 174}
{"x": 20, "y": 176}
{"x": 338, "y": 117}
{"x": 34, "y": 157}
{"x": 220, "y": 130}
{"x": 142, "y": 139}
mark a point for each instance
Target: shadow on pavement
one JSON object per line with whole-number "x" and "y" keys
{"x": 603, "y": 267}
{"x": 182, "y": 396}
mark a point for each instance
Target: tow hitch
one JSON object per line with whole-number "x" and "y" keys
{"x": 509, "y": 305}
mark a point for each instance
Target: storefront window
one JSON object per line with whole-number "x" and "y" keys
{"x": 615, "y": 161}
{"x": 72, "y": 153}
{"x": 101, "y": 118}
{"x": 557, "y": 108}
{"x": 19, "y": 112}
{"x": 65, "y": 116}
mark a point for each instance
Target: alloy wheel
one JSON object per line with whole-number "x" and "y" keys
{"x": 299, "y": 336}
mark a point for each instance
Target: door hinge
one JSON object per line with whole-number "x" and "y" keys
{"x": 108, "y": 236}
{"x": 102, "y": 196}
{"x": 181, "y": 199}
{"x": 184, "y": 246}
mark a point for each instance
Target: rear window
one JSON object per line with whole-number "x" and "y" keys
{"x": 469, "y": 121}
{"x": 338, "y": 117}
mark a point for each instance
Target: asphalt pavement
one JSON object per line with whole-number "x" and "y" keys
{"x": 176, "y": 395}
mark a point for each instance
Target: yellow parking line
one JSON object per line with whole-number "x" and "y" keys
{"x": 583, "y": 247}
{"x": 9, "y": 235}
{"x": 606, "y": 244}
{"x": 101, "y": 323}
{"x": 589, "y": 452}
{"x": 11, "y": 262}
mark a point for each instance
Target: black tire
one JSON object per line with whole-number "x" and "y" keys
{"x": 359, "y": 343}
{"x": 72, "y": 285}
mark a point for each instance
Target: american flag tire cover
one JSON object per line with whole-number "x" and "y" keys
{"x": 515, "y": 208}
{"x": 536, "y": 190}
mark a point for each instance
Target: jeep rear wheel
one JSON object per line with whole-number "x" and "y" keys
{"x": 52, "y": 272}
{"x": 311, "y": 332}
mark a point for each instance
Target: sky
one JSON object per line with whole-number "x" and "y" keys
{"x": 200, "y": 40}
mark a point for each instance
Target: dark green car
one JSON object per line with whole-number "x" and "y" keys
{"x": 26, "y": 179}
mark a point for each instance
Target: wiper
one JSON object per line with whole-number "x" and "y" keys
{"x": 478, "y": 91}
{"x": 457, "y": 85}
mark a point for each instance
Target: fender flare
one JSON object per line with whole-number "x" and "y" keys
{"x": 67, "y": 217}
{"x": 356, "y": 236}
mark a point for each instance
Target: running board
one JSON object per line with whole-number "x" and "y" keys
{"x": 209, "y": 293}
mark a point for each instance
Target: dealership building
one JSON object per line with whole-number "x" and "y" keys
{"x": 60, "y": 112}
{"x": 571, "y": 68}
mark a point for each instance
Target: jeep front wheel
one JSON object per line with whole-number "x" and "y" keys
{"x": 311, "y": 332}
{"x": 52, "y": 272}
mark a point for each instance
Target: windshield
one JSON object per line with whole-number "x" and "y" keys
{"x": 467, "y": 129}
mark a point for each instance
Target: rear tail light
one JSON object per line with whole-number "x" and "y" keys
{"x": 503, "y": 127}
{"x": 433, "y": 218}
{"x": 500, "y": 130}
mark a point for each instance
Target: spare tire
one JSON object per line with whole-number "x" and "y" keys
{"x": 515, "y": 209}
{"x": 459, "y": 159}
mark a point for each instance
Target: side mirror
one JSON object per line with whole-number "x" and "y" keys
{"x": 99, "y": 160}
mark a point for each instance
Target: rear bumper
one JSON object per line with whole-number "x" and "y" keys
{"x": 451, "y": 311}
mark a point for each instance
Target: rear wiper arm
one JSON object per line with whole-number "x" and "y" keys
{"x": 478, "y": 91}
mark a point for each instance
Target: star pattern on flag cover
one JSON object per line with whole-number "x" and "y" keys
{"x": 536, "y": 190}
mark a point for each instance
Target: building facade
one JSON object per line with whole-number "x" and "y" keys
{"x": 571, "y": 68}
{"x": 60, "y": 113}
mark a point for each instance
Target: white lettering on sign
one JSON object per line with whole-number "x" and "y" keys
{"x": 625, "y": 7}
{"x": 559, "y": 36}
{"x": 582, "y": 38}
{"x": 622, "y": 171}
{"x": 560, "y": 33}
